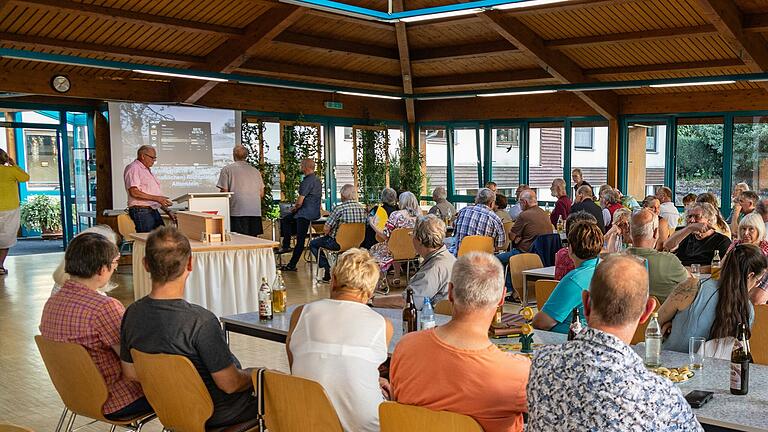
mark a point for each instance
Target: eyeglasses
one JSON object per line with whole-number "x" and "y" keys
{"x": 150, "y": 156}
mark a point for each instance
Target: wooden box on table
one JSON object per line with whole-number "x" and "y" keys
{"x": 201, "y": 226}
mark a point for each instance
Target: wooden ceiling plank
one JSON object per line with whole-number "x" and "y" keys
{"x": 645, "y": 35}
{"x": 726, "y": 17}
{"x": 338, "y": 45}
{"x": 129, "y": 16}
{"x": 363, "y": 22}
{"x": 463, "y": 51}
{"x": 494, "y": 78}
{"x": 664, "y": 67}
{"x": 755, "y": 23}
{"x": 292, "y": 70}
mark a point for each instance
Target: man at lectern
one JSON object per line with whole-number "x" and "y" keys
{"x": 247, "y": 187}
{"x": 306, "y": 209}
{"x": 144, "y": 194}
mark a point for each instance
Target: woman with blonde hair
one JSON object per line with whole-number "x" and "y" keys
{"x": 618, "y": 235}
{"x": 340, "y": 343}
{"x": 10, "y": 177}
{"x": 752, "y": 231}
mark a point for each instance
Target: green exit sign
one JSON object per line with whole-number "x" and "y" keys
{"x": 333, "y": 105}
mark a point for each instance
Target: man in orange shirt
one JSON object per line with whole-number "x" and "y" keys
{"x": 455, "y": 367}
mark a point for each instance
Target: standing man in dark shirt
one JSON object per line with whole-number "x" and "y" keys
{"x": 563, "y": 204}
{"x": 698, "y": 241}
{"x": 585, "y": 202}
{"x": 306, "y": 209}
{"x": 578, "y": 181}
{"x": 163, "y": 322}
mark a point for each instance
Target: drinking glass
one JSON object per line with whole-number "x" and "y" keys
{"x": 696, "y": 352}
{"x": 696, "y": 270}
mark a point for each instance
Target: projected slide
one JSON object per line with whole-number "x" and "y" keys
{"x": 192, "y": 145}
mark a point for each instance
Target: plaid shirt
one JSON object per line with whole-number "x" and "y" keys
{"x": 346, "y": 212}
{"x": 81, "y": 315}
{"x": 478, "y": 219}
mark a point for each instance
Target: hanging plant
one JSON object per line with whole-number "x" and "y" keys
{"x": 252, "y": 138}
{"x": 410, "y": 162}
{"x": 300, "y": 141}
{"x": 371, "y": 151}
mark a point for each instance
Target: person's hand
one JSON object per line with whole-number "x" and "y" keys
{"x": 698, "y": 227}
{"x": 165, "y": 202}
{"x": 386, "y": 388}
{"x": 666, "y": 329}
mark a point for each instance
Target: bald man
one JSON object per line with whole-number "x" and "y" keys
{"x": 145, "y": 197}
{"x": 563, "y": 204}
{"x": 304, "y": 211}
{"x": 583, "y": 384}
{"x": 247, "y": 187}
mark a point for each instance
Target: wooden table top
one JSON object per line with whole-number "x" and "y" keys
{"x": 239, "y": 242}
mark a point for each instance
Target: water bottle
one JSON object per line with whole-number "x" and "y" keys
{"x": 653, "y": 342}
{"x": 427, "y": 317}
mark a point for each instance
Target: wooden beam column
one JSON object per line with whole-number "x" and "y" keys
{"x": 613, "y": 152}
{"x": 405, "y": 63}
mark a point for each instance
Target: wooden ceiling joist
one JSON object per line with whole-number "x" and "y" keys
{"x": 338, "y": 45}
{"x": 606, "y": 103}
{"x": 322, "y": 74}
{"x": 480, "y": 80}
{"x": 646, "y": 35}
{"x": 664, "y": 67}
{"x": 727, "y": 19}
{"x": 401, "y": 35}
{"x": 462, "y": 51}
{"x": 755, "y": 23}
{"x": 345, "y": 18}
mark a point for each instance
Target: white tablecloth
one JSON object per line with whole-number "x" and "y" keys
{"x": 224, "y": 282}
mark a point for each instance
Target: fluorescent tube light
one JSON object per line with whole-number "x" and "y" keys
{"x": 685, "y": 84}
{"x": 368, "y": 95}
{"x": 439, "y": 15}
{"x": 519, "y": 93}
{"x": 525, "y": 4}
{"x": 179, "y": 75}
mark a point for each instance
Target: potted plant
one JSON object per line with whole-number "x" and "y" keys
{"x": 42, "y": 213}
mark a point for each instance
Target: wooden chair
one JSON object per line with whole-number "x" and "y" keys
{"x": 294, "y": 404}
{"x": 475, "y": 243}
{"x": 174, "y": 388}
{"x": 400, "y": 245}
{"x": 395, "y": 417}
{"x": 507, "y": 228}
{"x": 639, "y": 335}
{"x": 125, "y": 227}
{"x": 444, "y": 307}
{"x": 80, "y": 384}
{"x": 4, "y": 427}
{"x": 544, "y": 288}
{"x": 349, "y": 236}
{"x": 759, "y": 340}
{"x": 517, "y": 264}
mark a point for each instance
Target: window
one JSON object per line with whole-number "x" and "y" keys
{"x": 583, "y": 138}
{"x": 750, "y": 153}
{"x": 646, "y": 167}
{"x": 650, "y": 139}
{"x": 467, "y": 161}
{"x": 699, "y": 165}
{"x": 433, "y": 145}
{"x": 507, "y": 138}
{"x": 546, "y": 149}
{"x": 42, "y": 158}
{"x": 506, "y": 160}
{"x": 435, "y": 136}
{"x": 347, "y": 134}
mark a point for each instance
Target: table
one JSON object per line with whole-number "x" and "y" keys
{"x": 225, "y": 277}
{"x": 534, "y": 274}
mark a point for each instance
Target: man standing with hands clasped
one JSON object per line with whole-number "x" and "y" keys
{"x": 144, "y": 194}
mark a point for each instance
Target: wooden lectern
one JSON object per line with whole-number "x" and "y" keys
{"x": 208, "y": 202}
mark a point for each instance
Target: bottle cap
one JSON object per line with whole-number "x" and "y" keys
{"x": 655, "y": 315}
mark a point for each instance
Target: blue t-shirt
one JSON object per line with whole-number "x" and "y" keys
{"x": 312, "y": 191}
{"x": 567, "y": 295}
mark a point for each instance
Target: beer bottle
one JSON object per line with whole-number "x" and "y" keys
{"x": 575, "y": 327}
{"x": 265, "y": 300}
{"x": 740, "y": 359}
{"x": 410, "y": 320}
{"x": 715, "y": 266}
{"x": 279, "y": 295}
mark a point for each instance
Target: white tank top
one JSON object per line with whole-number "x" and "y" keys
{"x": 341, "y": 344}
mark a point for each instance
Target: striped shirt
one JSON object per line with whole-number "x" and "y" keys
{"x": 479, "y": 220}
{"x": 80, "y": 315}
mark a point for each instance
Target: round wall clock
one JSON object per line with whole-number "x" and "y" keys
{"x": 61, "y": 83}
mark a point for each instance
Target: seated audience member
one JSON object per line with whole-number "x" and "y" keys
{"x": 585, "y": 202}
{"x": 60, "y": 277}
{"x": 563, "y": 261}
{"x": 349, "y": 211}
{"x": 597, "y": 382}
{"x": 389, "y": 205}
{"x": 747, "y": 202}
{"x": 532, "y": 222}
{"x": 752, "y": 231}
{"x": 454, "y": 367}
{"x": 665, "y": 271}
{"x": 667, "y": 209}
{"x": 697, "y": 242}
{"x": 618, "y": 235}
{"x": 611, "y": 202}
{"x": 585, "y": 240}
{"x": 501, "y": 208}
{"x": 431, "y": 281}
{"x": 712, "y": 309}
{"x": 515, "y": 210}
{"x": 403, "y": 218}
{"x": 79, "y": 314}
{"x": 563, "y": 204}
{"x": 479, "y": 219}
{"x": 163, "y": 322}
{"x": 651, "y": 203}
{"x": 442, "y": 208}
{"x": 688, "y": 199}
{"x": 762, "y": 209}
{"x": 340, "y": 343}
{"x": 738, "y": 188}
{"x": 491, "y": 185}
{"x": 721, "y": 226}
{"x": 578, "y": 181}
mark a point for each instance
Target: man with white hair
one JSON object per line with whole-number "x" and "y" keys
{"x": 247, "y": 187}
{"x": 665, "y": 270}
{"x": 563, "y": 204}
{"x": 532, "y": 222}
{"x": 442, "y": 208}
{"x": 144, "y": 194}
{"x": 349, "y": 211}
{"x": 479, "y": 219}
{"x": 306, "y": 209}
{"x": 454, "y": 367}
{"x": 698, "y": 241}
{"x": 667, "y": 210}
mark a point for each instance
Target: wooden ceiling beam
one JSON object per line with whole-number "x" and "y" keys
{"x": 462, "y": 51}
{"x": 39, "y": 42}
{"x": 645, "y": 35}
{"x": 401, "y": 34}
{"x": 337, "y": 45}
{"x": 606, "y": 103}
{"x": 664, "y": 67}
{"x": 480, "y": 80}
{"x": 131, "y": 17}
{"x": 727, "y": 19}
{"x": 322, "y": 74}
{"x": 345, "y": 18}
{"x": 755, "y": 23}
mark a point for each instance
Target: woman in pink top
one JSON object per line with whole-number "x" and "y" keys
{"x": 563, "y": 261}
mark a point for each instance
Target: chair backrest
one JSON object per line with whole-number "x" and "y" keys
{"x": 507, "y": 228}
{"x": 400, "y": 244}
{"x": 444, "y": 307}
{"x": 75, "y": 376}
{"x": 544, "y": 288}
{"x": 350, "y": 235}
{"x": 759, "y": 340}
{"x": 294, "y": 404}
{"x": 125, "y": 226}
{"x": 639, "y": 335}
{"x": 395, "y": 417}
{"x": 475, "y": 243}
{"x": 175, "y": 390}
{"x": 518, "y": 263}
{"x": 5, "y": 427}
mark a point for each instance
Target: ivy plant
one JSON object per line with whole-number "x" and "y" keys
{"x": 253, "y": 135}
{"x": 300, "y": 141}
{"x": 371, "y": 150}
{"x": 41, "y": 213}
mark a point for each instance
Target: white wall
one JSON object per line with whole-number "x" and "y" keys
{"x": 657, "y": 159}
{"x": 595, "y": 158}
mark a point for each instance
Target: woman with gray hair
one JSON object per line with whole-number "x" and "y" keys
{"x": 698, "y": 241}
{"x": 389, "y": 205}
{"x": 10, "y": 177}
{"x": 442, "y": 208}
{"x": 403, "y": 218}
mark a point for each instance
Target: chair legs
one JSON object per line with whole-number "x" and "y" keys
{"x": 112, "y": 429}
{"x": 61, "y": 419}
{"x": 71, "y": 423}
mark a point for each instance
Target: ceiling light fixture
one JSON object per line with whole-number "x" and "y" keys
{"x": 440, "y": 15}
{"x": 179, "y": 75}
{"x": 685, "y": 84}
{"x": 525, "y": 4}
{"x": 518, "y": 93}
{"x": 348, "y": 93}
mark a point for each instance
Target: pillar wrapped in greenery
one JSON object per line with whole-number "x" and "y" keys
{"x": 405, "y": 169}
{"x": 300, "y": 141}
{"x": 371, "y": 162}
{"x": 254, "y": 140}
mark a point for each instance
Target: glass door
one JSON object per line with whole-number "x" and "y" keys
{"x": 468, "y": 154}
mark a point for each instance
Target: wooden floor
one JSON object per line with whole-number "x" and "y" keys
{"x": 27, "y": 396}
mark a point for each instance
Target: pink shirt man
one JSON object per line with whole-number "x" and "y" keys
{"x": 139, "y": 176}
